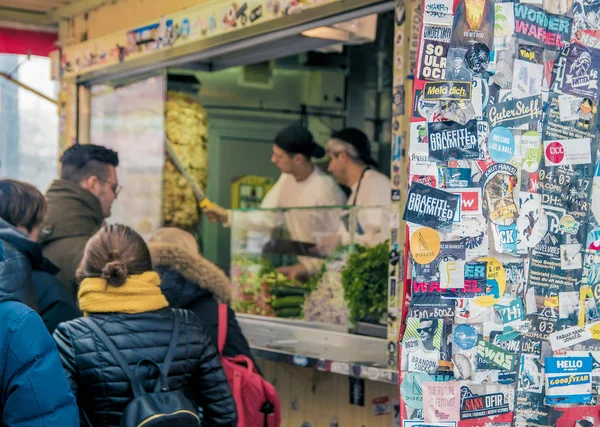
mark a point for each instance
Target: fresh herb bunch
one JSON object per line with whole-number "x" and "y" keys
{"x": 365, "y": 281}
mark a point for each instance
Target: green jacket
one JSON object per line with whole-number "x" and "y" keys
{"x": 74, "y": 215}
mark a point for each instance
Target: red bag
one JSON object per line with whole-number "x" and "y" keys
{"x": 256, "y": 400}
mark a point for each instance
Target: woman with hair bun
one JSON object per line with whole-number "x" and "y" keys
{"x": 121, "y": 294}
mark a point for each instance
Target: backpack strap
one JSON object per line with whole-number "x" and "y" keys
{"x": 170, "y": 353}
{"x": 222, "y": 328}
{"x": 137, "y": 388}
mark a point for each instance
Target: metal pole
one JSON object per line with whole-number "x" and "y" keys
{"x": 29, "y": 88}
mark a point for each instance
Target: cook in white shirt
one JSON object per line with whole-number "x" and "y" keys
{"x": 352, "y": 165}
{"x": 301, "y": 184}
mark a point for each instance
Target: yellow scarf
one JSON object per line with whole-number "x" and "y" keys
{"x": 139, "y": 294}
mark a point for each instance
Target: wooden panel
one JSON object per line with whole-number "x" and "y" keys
{"x": 314, "y": 397}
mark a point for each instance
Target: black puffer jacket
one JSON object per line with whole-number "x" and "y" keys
{"x": 100, "y": 385}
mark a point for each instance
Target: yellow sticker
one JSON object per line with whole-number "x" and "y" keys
{"x": 595, "y": 330}
{"x": 425, "y": 245}
{"x": 496, "y": 283}
{"x": 551, "y": 301}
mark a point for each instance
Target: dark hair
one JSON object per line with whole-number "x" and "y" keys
{"x": 21, "y": 204}
{"x": 114, "y": 253}
{"x": 81, "y": 161}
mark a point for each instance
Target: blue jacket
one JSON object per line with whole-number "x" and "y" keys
{"x": 54, "y": 303}
{"x": 33, "y": 389}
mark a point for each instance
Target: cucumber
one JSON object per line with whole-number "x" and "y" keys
{"x": 289, "y": 312}
{"x": 287, "y": 302}
{"x": 287, "y": 291}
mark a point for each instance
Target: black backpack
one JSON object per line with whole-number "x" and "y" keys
{"x": 162, "y": 407}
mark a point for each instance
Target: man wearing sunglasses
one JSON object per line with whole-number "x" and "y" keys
{"x": 78, "y": 204}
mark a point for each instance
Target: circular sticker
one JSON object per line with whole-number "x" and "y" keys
{"x": 411, "y": 344}
{"x": 465, "y": 337}
{"x": 411, "y": 389}
{"x": 555, "y": 153}
{"x": 425, "y": 245}
{"x": 531, "y": 151}
{"x": 477, "y": 58}
{"x": 501, "y": 144}
{"x": 495, "y": 282}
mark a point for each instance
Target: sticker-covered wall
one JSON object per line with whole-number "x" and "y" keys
{"x": 502, "y": 212}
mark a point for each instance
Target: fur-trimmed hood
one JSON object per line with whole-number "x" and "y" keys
{"x": 197, "y": 275}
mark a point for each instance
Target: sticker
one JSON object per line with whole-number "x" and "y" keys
{"x": 530, "y": 151}
{"x": 545, "y": 29}
{"x": 582, "y": 126}
{"x": 496, "y": 356}
{"x": 568, "y": 380}
{"x": 411, "y": 389}
{"x": 453, "y": 141}
{"x": 532, "y": 224}
{"x": 456, "y": 177}
{"x": 447, "y": 91}
{"x": 568, "y": 225}
{"x": 438, "y": 11}
{"x": 501, "y": 144}
{"x": 569, "y": 337}
{"x": 480, "y": 406}
{"x": 425, "y": 306}
{"x": 515, "y": 113}
{"x": 570, "y": 257}
{"x": 432, "y": 64}
{"x": 499, "y": 182}
{"x": 568, "y": 152}
{"x": 471, "y": 203}
{"x": 357, "y": 391}
{"x": 504, "y": 28}
{"x": 577, "y": 71}
{"x": 441, "y": 401}
{"x": 381, "y": 406}
{"x": 533, "y": 54}
{"x": 465, "y": 337}
{"x": 495, "y": 283}
{"x": 568, "y": 107}
{"x": 431, "y": 207}
{"x": 425, "y": 245}
{"x": 421, "y": 423}
{"x": 456, "y": 69}
{"x": 473, "y": 23}
{"x": 475, "y": 279}
{"x": 429, "y": 333}
{"x": 528, "y": 79}
{"x": 532, "y": 374}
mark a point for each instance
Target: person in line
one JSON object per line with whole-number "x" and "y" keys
{"x": 78, "y": 203}
{"x": 301, "y": 184}
{"x": 34, "y": 389}
{"x": 22, "y": 210}
{"x": 190, "y": 281}
{"x": 121, "y": 293}
{"x": 352, "y": 165}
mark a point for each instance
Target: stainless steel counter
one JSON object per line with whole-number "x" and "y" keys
{"x": 320, "y": 346}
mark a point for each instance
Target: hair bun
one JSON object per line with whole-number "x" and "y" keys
{"x": 115, "y": 273}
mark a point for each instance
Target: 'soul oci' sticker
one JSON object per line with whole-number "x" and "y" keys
{"x": 495, "y": 282}
{"x": 425, "y": 245}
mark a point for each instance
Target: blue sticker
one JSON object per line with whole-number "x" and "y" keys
{"x": 300, "y": 361}
{"x": 501, "y": 144}
{"x": 568, "y": 380}
{"x": 411, "y": 389}
{"x": 465, "y": 337}
{"x": 508, "y": 238}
